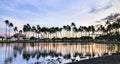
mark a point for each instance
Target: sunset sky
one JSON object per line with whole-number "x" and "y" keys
{"x": 55, "y": 12}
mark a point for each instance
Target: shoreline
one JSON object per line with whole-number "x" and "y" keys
{"x": 42, "y": 41}
{"x": 112, "y": 59}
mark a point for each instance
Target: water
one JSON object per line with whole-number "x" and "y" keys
{"x": 53, "y": 53}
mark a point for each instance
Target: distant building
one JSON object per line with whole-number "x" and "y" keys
{"x": 18, "y": 36}
{"x": 2, "y": 38}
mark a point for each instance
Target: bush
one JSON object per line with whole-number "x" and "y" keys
{"x": 2, "y": 37}
{"x": 33, "y": 38}
{"x": 86, "y": 38}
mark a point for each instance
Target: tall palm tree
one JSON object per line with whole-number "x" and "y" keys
{"x": 118, "y": 21}
{"x": 25, "y": 29}
{"x": 92, "y": 30}
{"x": 118, "y": 24}
{"x": 68, "y": 29}
{"x": 110, "y": 27}
{"x": 29, "y": 29}
{"x": 38, "y": 31}
{"x": 72, "y": 26}
{"x": 56, "y": 31}
{"x": 10, "y": 26}
{"x": 33, "y": 30}
{"x": 115, "y": 26}
{"x": 107, "y": 23}
{"x": 44, "y": 32}
{"x": 7, "y": 23}
{"x": 89, "y": 30}
{"x": 74, "y": 31}
{"x": 80, "y": 30}
{"x": 65, "y": 28}
{"x": 60, "y": 31}
{"x": 15, "y": 29}
{"x": 102, "y": 29}
{"x": 85, "y": 30}
{"x": 51, "y": 31}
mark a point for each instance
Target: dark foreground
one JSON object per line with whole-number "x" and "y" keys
{"x": 113, "y": 59}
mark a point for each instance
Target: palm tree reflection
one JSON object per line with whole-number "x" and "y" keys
{"x": 58, "y": 52}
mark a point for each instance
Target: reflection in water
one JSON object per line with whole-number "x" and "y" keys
{"x": 53, "y": 53}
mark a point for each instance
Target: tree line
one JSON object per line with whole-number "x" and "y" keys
{"x": 68, "y": 31}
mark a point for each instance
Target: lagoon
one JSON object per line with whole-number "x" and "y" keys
{"x": 53, "y": 53}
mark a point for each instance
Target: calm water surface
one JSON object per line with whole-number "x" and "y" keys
{"x": 53, "y": 53}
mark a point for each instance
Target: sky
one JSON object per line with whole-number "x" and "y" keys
{"x": 55, "y": 12}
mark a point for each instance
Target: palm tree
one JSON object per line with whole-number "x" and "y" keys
{"x": 25, "y": 29}
{"x": 10, "y": 26}
{"x": 72, "y": 26}
{"x": 15, "y": 29}
{"x": 28, "y": 29}
{"x": 33, "y": 30}
{"x": 69, "y": 29}
{"x": 101, "y": 28}
{"x": 107, "y": 23}
{"x": 56, "y": 31}
{"x": 118, "y": 23}
{"x": 20, "y": 31}
{"x": 65, "y": 28}
{"x": 60, "y": 31}
{"x": 89, "y": 30}
{"x": 92, "y": 30}
{"x": 75, "y": 30}
{"x": 38, "y": 31}
{"x": 80, "y": 30}
{"x": 115, "y": 26}
{"x": 51, "y": 31}
{"x": 85, "y": 30}
{"x": 44, "y": 31}
{"x": 7, "y": 23}
{"x": 110, "y": 27}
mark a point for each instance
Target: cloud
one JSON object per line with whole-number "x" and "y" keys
{"x": 57, "y": 12}
{"x": 102, "y": 5}
{"x": 99, "y": 9}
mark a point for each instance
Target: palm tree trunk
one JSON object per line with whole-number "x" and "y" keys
{"x": 69, "y": 34}
{"x": 81, "y": 33}
{"x": 9, "y": 32}
{"x": 61, "y": 34}
{"x": 6, "y": 30}
{"x": 38, "y": 35}
{"x": 56, "y": 35}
